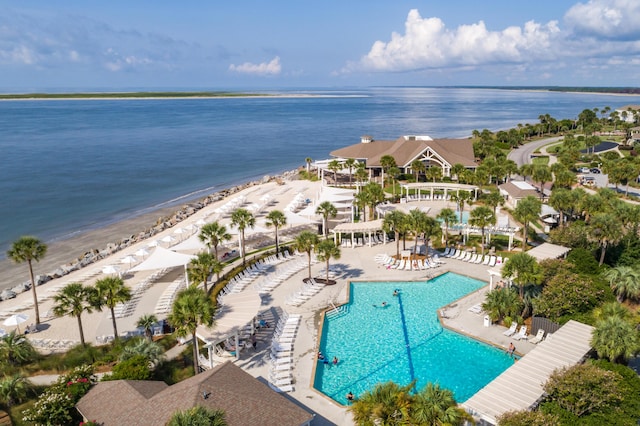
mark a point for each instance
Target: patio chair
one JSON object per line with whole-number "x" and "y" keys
{"x": 522, "y": 334}
{"x": 512, "y": 330}
{"x": 538, "y": 337}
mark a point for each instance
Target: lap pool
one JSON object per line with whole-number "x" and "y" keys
{"x": 403, "y": 341}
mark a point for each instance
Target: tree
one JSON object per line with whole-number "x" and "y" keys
{"x": 605, "y": 229}
{"x": 448, "y": 217}
{"x": 16, "y": 349}
{"x": 213, "y": 234}
{"x": 392, "y": 222}
{"x": 542, "y": 174}
{"x": 325, "y": 251}
{"x": 624, "y": 281}
{"x": 326, "y": 209}
{"x": 110, "y": 292}
{"x": 501, "y": 303}
{"x": 198, "y": 416}
{"x": 561, "y": 200}
{"x": 385, "y": 404}
{"x": 334, "y": 166}
{"x": 528, "y": 418}
{"x": 305, "y": 242}
{"x": 374, "y": 196}
{"x": 434, "y": 405}
{"x": 350, "y": 163}
{"x": 277, "y": 219}
{"x": 29, "y": 249}
{"x": 482, "y": 217}
{"x": 361, "y": 173}
{"x": 200, "y": 268}
{"x": 134, "y": 367}
{"x": 527, "y": 211}
{"x": 568, "y": 294}
{"x": 584, "y": 389}
{"x": 494, "y": 199}
{"x": 14, "y": 389}
{"x": 418, "y": 167}
{"x": 147, "y": 321}
{"x": 434, "y": 173}
{"x": 151, "y": 351}
{"x": 242, "y": 219}
{"x": 73, "y": 300}
{"x": 461, "y": 198}
{"x": 523, "y": 269}
{"x": 308, "y": 160}
{"x": 616, "y": 339}
{"x": 417, "y": 222}
{"x": 191, "y": 308}
{"x": 393, "y": 174}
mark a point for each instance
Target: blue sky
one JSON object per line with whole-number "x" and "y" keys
{"x": 85, "y": 44}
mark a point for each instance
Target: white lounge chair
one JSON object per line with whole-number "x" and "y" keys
{"x": 476, "y": 309}
{"x": 522, "y": 334}
{"x": 492, "y": 261}
{"x": 512, "y": 330}
{"x": 538, "y": 337}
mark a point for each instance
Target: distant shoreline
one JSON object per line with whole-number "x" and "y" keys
{"x": 144, "y": 95}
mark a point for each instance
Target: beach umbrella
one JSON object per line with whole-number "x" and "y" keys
{"x": 201, "y": 222}
{"x": 16, "y": 320}
{"x": 154, "y": 243}
{"x": 142, "y": 253}
{"x": 110, "y": 270}
{"x": 168, "y": 239}
{"x": 128, "y": 259}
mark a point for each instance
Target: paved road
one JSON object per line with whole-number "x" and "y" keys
{"x": 522, "y": 155}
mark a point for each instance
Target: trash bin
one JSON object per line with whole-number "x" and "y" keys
{"x": 487, "y": 321}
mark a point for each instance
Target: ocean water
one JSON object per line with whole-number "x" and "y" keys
{"x": 72, "y": 165}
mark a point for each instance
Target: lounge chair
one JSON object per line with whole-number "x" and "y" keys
{"x": 538, "y": 337}
{"x": 476, "y": 309}
{"x": 492, "y": 261}
{"x": 522, "y": 334}
{"x": 512, "y": 330}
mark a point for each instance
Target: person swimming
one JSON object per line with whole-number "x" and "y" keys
{"x": 396, "y": 292}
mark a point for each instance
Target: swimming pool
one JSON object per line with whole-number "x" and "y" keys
{"x": 404, "y": 341}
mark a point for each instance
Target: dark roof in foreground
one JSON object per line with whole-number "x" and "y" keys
{"x": 406, "y": 149}
{"x": 245, "y": 400}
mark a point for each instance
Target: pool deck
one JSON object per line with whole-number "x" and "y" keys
{"x": 358, "y": 264}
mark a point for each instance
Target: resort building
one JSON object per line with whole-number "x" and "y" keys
{"x": 442, "y": 153}
{"x": 517, "y": 190}
{"x": 628, "y": 113}
{"x": 244, "y": 399}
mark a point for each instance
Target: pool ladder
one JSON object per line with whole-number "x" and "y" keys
{"x": 337, "y": 312}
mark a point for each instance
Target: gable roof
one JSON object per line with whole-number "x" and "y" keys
{"x": 244, "y": 399}
{"x": 518, "y": 189}
{"x": 404, "y": 150}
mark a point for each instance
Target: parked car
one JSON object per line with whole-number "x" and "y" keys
{"x": 595, "y": 171}
{"x": 584, "y": 170}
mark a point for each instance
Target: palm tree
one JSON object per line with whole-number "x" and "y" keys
{"x": 434, "y": 405}
{"x": 152, "y": 351}
{"x": 460, "y": 198}
{"x": 277, "y": 219}
{"x": 524, "y": 269}
{"x": 393, "y": 222}
{"x": 73, "y": 300}
{"x": 16, "y": 348}
{"x": 387, "y": 162}
{"x": 418, "y": 167}
{"x": 385, "y": 404}
{"x": 448, "y": 217}
{"x": 325, "y": 251}
{"x": 501, "y": 303}
{"x": 616, "y": 339}
{"x": 243, "y": 218}
{"x": 605, "y": 229}
{"x": 375, "y": 196}
{"x": 482, "y": 217}
{"x": 361, "y": 173}
{"x": 417, "y": 222}
{"x": 494, "y": 199}
{"x": 198, "y": 416}
{"x": 191, "y": 308}
{"x": 326, "y": 209}
{"x": 350, "y": 163}
{"x": 213, "y": 234}
{"x": 110, "y": 292}
{"x": 147, "y": 321}
{"x": 308, "y": 160}
{"x": 334, "y": 166}
{"x": 14, "y": 389}
{"x": 562, "y": 200}
{"x": 527, "y": 211}
{"x": 200, "y": 268}
{"x": 625, "y": 282}
{"x": 27, "y": 249}
{"x": 305, "y": 242}
{"x": 542, "y": 174}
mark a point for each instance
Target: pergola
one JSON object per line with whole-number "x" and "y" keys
{"x": 548, "y": 251}
{"x": 370, "y": 227}
{"x": 438, "y": 186}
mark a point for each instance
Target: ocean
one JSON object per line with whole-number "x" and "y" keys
{"x": 69, "y": 166}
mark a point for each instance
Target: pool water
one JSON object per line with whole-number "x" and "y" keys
{"x": 404, "y": 341}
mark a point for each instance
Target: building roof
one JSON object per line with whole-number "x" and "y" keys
{"x": 518, "y": 189}
{"x": 628, "y": 107}
{"x": 406, "y": 149}
{"x": 245, "y": 400}
{"x": 520, "y": 386}
{"x": 548, "y": 251}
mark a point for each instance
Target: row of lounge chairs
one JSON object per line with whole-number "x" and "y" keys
{"x": 53, "y": 344}
{"x": 165, "y": 301}
{"x": 306, "y": 292}
{"x": 467, "y": 256}
{"x": 362, "y": 241}
{"x": 281, "y": 353}
{"x": 523, "y": 335}
{"x": 407, "y": 265}
{"x": 282, "y": 273}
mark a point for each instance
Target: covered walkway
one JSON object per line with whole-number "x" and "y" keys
{"x": 520, "y": 387}
{"x": 445, "y": 187}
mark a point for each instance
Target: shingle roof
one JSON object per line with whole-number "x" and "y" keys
{"x": 244, "y": 399}
{"x": 405, "y": 150}
{"x": 516, "y": 191}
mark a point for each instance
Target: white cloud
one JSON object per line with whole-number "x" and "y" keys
{"x": 265, "y": 68}
{"x": 611, "y": 19}
{"x": 428, "y": 43}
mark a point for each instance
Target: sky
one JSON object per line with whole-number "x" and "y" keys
{"x": 120, "y": 45}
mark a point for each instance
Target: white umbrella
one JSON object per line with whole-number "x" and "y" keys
{"x": 128, "y": 259}
{"x": 201, "y": 222}
{"x": 168, "y": 239}
{"x": 16, "y": 320}
{"x": 110, "y": 270}
{"x": 154, "y": 243}
{"x": 142, "y": 253}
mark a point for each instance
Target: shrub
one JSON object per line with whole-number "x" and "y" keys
{"x": 528, "y": 418}
{"x": 134, "y": 368}
{"x": 568, "y": 293}
{"x": 584, "y": 261}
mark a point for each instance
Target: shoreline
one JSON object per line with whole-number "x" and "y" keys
{"x": 84, "y": 249}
